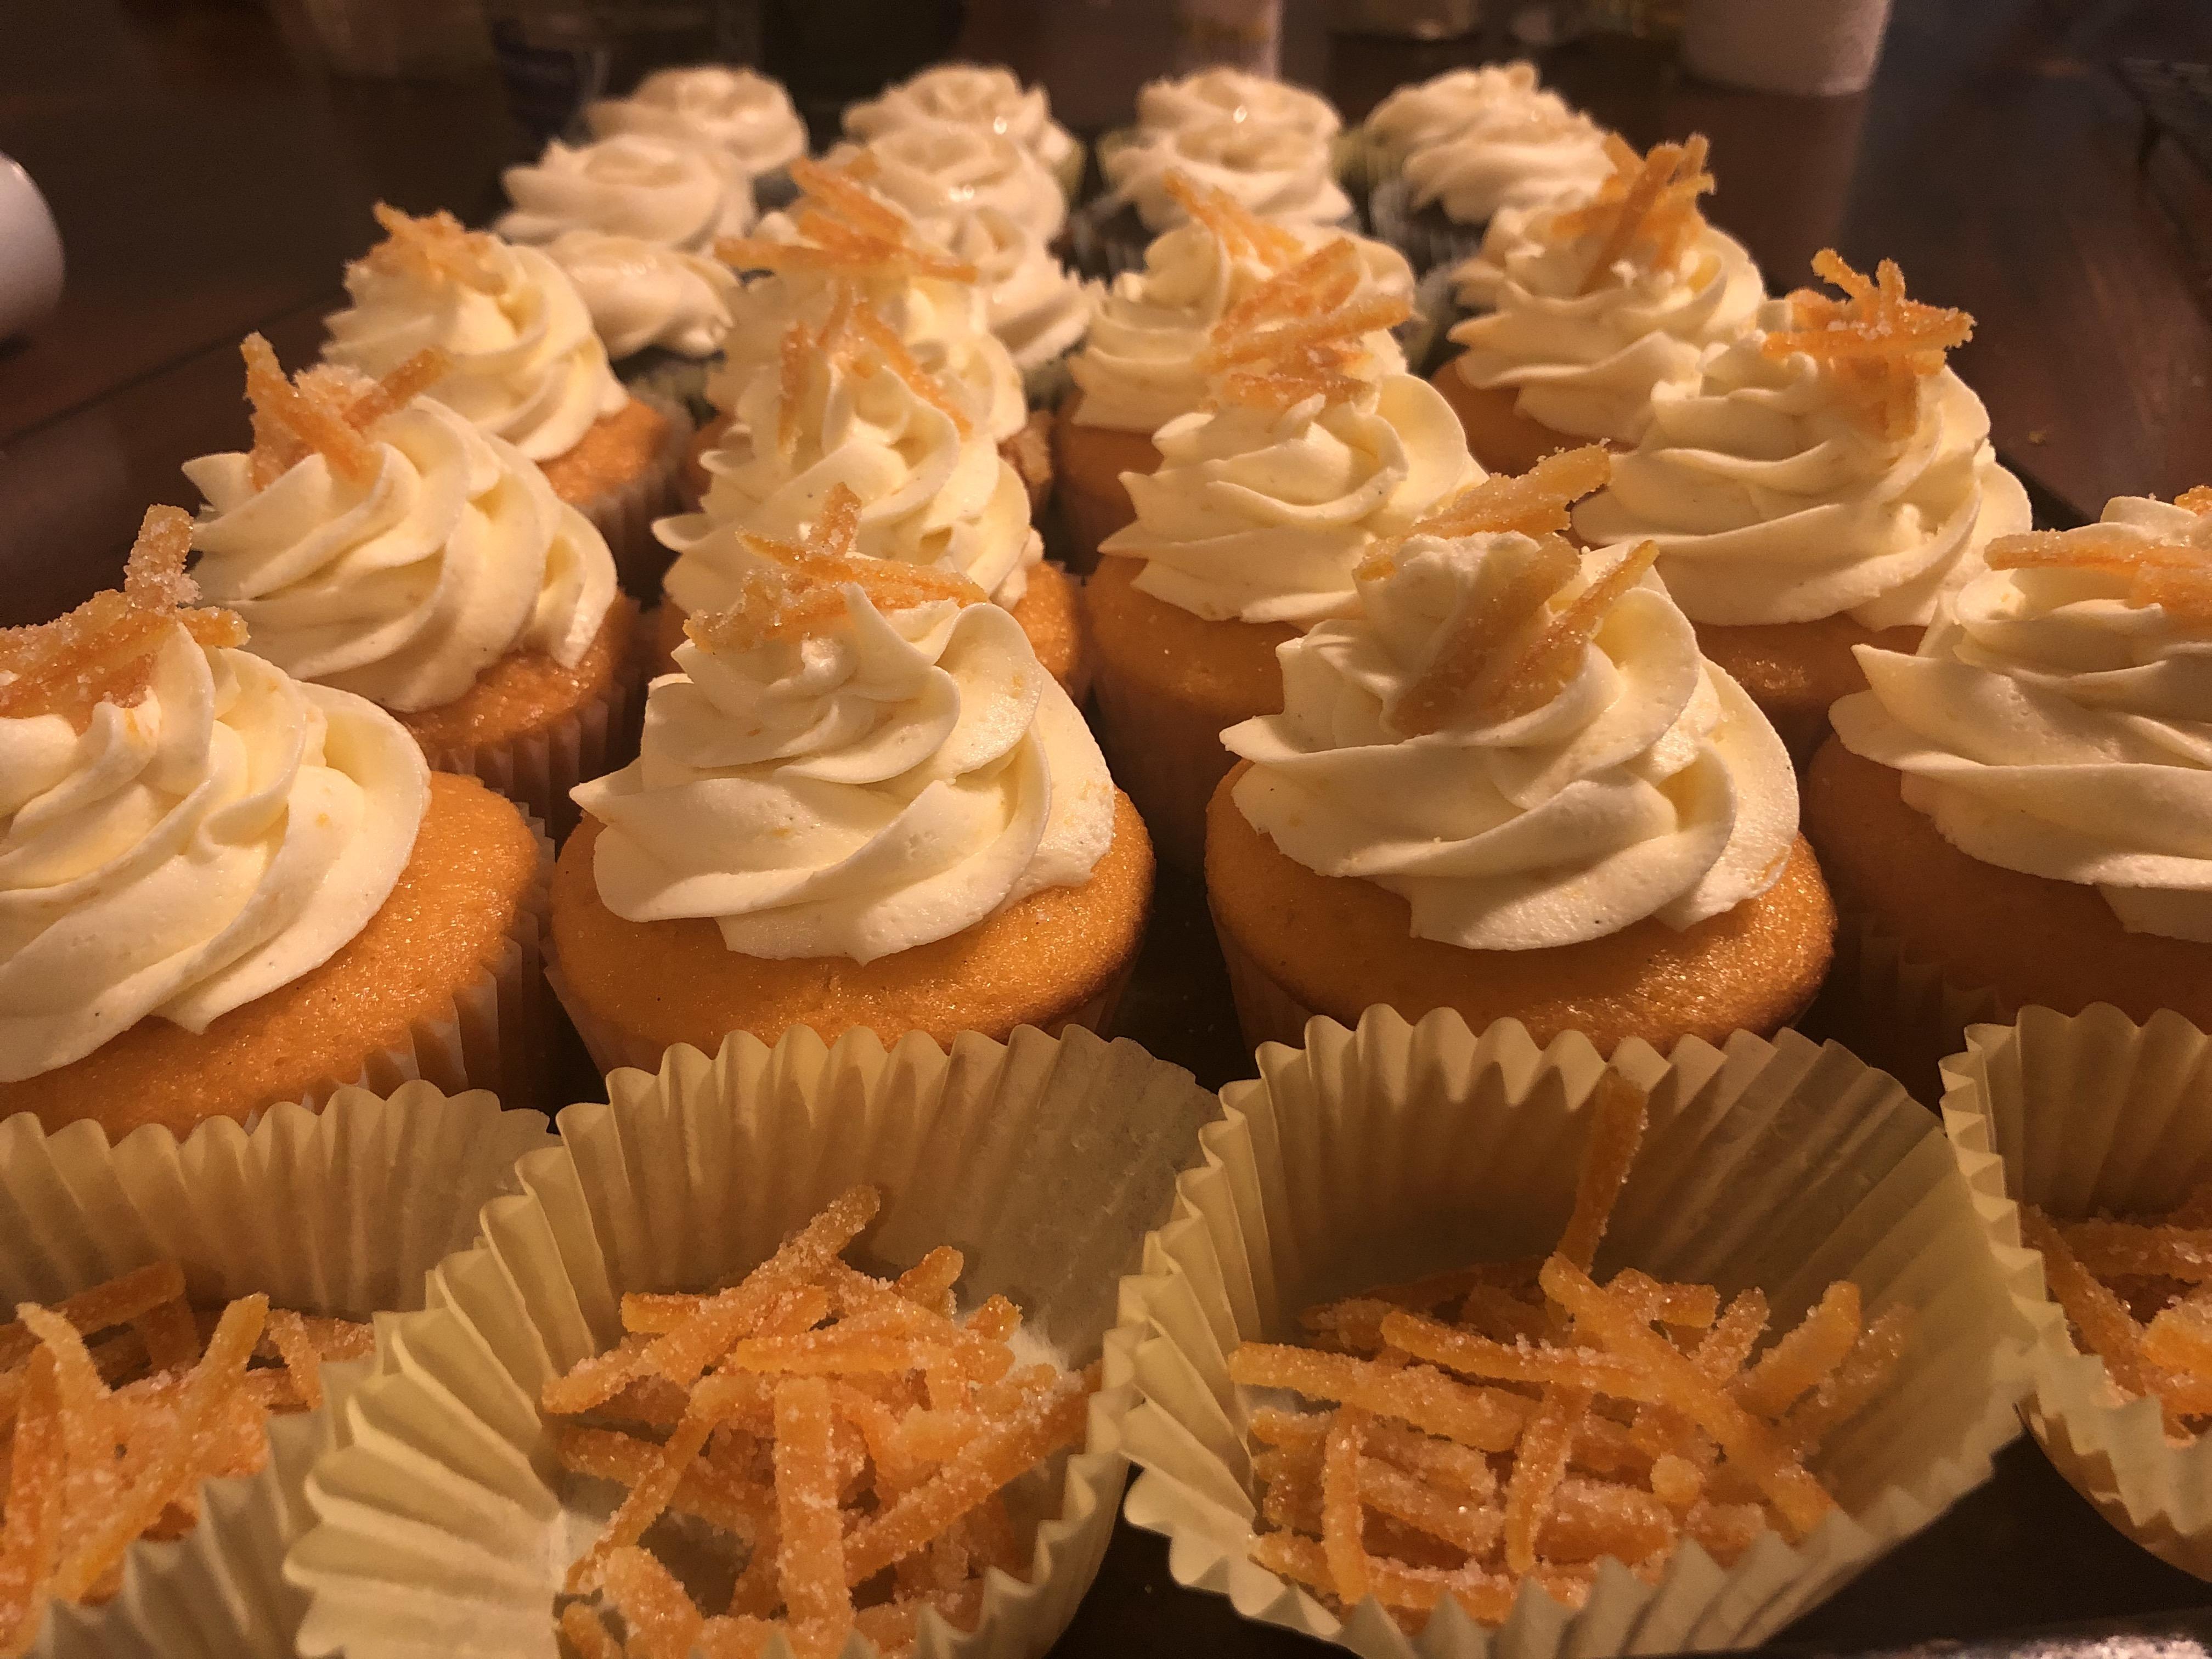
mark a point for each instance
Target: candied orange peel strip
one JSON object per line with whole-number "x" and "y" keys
{"x": 2197, "y": 500}
{"x": 1646, "y": 210}
{"x": 1877, "y": 344}
{"x": 845, "y": 229}
{"x": 1532, "y": 503}
{"x": 853, "y": 335}
{"x": 435, "y": 248}
{"x": 2177, "y": 576}
{"x": 1298, "y": 334}
{"x": 1241, "y": 231}
{"x": 325, "y": 409}
{"x": 104, "y": 651}
{"x": 1529, "y": 677}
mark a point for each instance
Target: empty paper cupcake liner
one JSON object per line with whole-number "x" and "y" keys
{"x": 1399, "y": 1150}
{"x": 445, "y": 1522}
{"x": 340, "y": 1212}
{"x": 624, "y": 516}
{"x": 2084, "y": 1115}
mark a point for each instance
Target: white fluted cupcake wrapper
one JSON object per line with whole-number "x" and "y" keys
{"x": 1402, "y": 1150}
{"x": 1899, "y": 1014}
{"x": 341, "y": 1213}
{"x": 624, "y": 516}
{"x": 2083, "y": 1115}
{"x": 445, "y": 1522}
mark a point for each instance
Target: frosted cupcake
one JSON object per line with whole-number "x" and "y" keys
{"x": 1446, "y": 105}
{"x": 738, "y": 111}
{"x": 979, "y": 97}
{"x": 374, "y": 541}
{"x": 1141, "y": 366}
{"x": 1511, "y": 786}
{"x": 860, "y": 803}
{"x": 840, "y": 236}
{"x": 1824, "y": 485}
{"x": 221, "y": 888}
{"x": 936, "y": 174}
{"x": 1277, "y": 172}
{"x": 1249, "y": 531}
{"x": 2024, "y": 804}
{"x": 1586, "y": 309}
{"x": 851, "y": 407}
{"x": 524, "y": 363}
{"x": 1224, "y": 94}
{"x": 633, "y": 219}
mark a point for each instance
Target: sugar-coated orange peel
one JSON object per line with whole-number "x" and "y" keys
{"x": 854, "y": 335}
{"x": 116, "y": 1408}
{"x": 857, "y": 1465}
{"x": 326, "y": 410}
{"x": 845, "y": 229}
{"x": 2176, "y": 577}
{"x": 1241, "y": 233}
{"x": 1517, "y": 1422}
{"x": 1298, "y": 335}
{"x": 104, "y": 650}
{"x": 1647, "y": 210}
{"x": 800, "y": 588}
{"x": 435, "y": 248}
{"x": 1876, "y": 344}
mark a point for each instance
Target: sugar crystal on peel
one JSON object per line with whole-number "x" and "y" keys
{"x": 1341, "y": 1508}
{"x": 664, "y": 1622}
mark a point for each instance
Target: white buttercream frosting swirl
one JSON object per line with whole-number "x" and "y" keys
{"x": 1587, "y": 363}
{"x": 937, "y": 175}
{"x": 527, "y": 364}
{"x": 1650, "y": 787}
{"x": 224, "y": 834}
{"x": 1451, "y": 103}
{"x": 1520, "y": 155}
{"x": 2049, "y": 725}
{"x": 1139, "y": 369}
{"x": 678, "y": 195}
{"x": 641, "y": 295}
{"x": 737, "y": 111}
{"x": 1772, "y": 501}
{"x": 1224, "y": 93}
{"x": 875, "y": 785}
{"x": 1264, "y": 517}
{"x": 405, "y": 588}
{"x": 977, "y": 95}
{"x": 1274, "y": 171}
{"x": 1035, "y": 305}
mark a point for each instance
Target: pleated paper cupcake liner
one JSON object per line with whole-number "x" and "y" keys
{"x": 1893, "y": 1012}
{"x": 624, "y": 516}
{"x": 340, "y": 1212}
{"x": 1401, "y": 1150}
{"x": 670, "y": 376}
{"x": 2084, "y": 1115}
{"x": 445, "y": 1523}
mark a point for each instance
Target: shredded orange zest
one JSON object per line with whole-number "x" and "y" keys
{"x": 1239, "y": 230}
{"x": 435, "y": 248}
{"x": 1649, "y": 205}
{"x": 1875, "y": 343}
{"x": 2198, "y": 500}
{"x": 854, "y": 335}
{"x": 845, "y": 229}
{"x": 1297, "y": 336}
{"x": 800, "y": 590}
{"x": 1534, "y": 503}
{"x": 326, "y": 410}
{"x": 2176, "y": 577}
{"x": 104, "y": 650}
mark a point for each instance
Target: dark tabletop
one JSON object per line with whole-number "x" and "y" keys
{"x": 209, "y": 178}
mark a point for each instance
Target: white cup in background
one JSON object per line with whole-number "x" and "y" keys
{"x": 30, "y": 253}
{"x": 1814, "y": 48}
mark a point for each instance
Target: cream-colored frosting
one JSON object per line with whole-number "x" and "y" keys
{"x": 738, "y": 111}
{"x": 1451, "y": 103}
{"x": 678, "y": 195}
{"x": 2049, "y": 726}
{"x": 641, "y": 295}
{"x": 1586, "y": 363}
{"x": 1772, "y": 502}
{"x": 1139, "y": 369}
{"x": 929, "y": 494}
{"x": 1264, "y": 517}
{"x": 224, "y": 834}
{"x": 1035, "y": 305}
{"x": 982, "y": 96}
{"x": 1650, "y": 786}
{"x": 879, "y": 785}
{"x": 527, "y": 366}
{"x": 937, "y": 175}
{"x": 1223, "y": 93}
{"x": 402, "y": 590}
{"x": 1523, "y": 156}
{"x": 1276, "y": 172}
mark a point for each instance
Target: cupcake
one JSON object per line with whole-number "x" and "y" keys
{"x": 632, "y": 220}
{"x": 524, "y": 364}
{"x": 851, "y": 407}
{"x": 1446, "y": 105}
{"x": 1522, "y": 150}
{"x": 1823, "y": 486}
{"x": 979, "y": 97}
{"x": 1278, "y": 172}
{"x": 1141, "y": 367}
{"x": 841, "y": 235}
{"x": 374, "y": 541}
{"x": 1510, "y": 786}
{"x": 221, "y": 887}
{"x": 935, "y": 174}
{"x": 1249, "y": 531}
{"x": 861, "y": 804}
{"x": 1586, "y": 308}
{"x": 2023, "y": 807}
{"x": 738, "y": 111}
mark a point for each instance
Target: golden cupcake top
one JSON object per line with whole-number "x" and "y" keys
{"x": 842, "y": 228}
{"x": 2175, "y": 574}
{"x": 1875, "y": 343}
{"x": 1646, "y": 209}
{"x": 1299, "y": 335}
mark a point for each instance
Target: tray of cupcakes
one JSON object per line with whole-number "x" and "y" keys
{"x": 1705, "y": 892}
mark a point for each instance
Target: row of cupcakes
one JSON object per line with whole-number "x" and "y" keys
{"x": 431, "y": 1497}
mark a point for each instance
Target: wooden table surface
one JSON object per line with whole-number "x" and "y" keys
{"x": 209, "y": 179}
